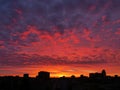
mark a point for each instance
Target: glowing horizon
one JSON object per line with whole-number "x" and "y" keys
{"x": 58, "y": 71}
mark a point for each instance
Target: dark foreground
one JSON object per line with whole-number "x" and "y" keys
{"x": 95, "y": 81}
{"x": 82, "y": 83}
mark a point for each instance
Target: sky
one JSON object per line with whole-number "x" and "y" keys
{"x": 63, "y": 37}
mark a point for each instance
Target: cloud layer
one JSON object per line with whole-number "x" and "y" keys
{"x": 53, "y": 32}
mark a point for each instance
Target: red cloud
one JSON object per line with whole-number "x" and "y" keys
{"x": 18, "y": 11}
{"x": 118, "y": 31}
{"x": 30, "y": 30}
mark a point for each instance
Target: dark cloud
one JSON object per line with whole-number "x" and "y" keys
{"x": 8, "y": 59}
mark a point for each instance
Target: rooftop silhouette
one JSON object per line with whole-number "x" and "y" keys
{"x": 43, "y": 81}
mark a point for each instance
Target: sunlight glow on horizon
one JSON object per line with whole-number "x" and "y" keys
{"x": 57, "y": 71}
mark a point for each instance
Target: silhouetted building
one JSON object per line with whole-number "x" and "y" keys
{"x": 116, "y": 76}
{"x": 83, "y": 77}
{"x": 73, "y": 76}
{"x": 43, "y": 75}
{"x": 26, "y": 75}
{"x": 99, "y": 81}
{"x": 98, "y": 75}
{"x": 103, "y": 73}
